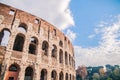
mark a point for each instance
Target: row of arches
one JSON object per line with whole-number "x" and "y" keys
{"x": 33, "y": 46}
{"x": 20, "y": 38}
{"x": 14, "y": 69}
{"x": 24, "y": 28}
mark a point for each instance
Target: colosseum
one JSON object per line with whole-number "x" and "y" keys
{"x": 33, "y": 49}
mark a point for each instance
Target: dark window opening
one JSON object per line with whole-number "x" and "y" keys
{"x": 13, "y": 68}
{"x": 11, "y": 78}
{"x": 61, "y": 56}
{"x": 19, "y": 42}
{"x": 69, "y": 59}
{"x": 61, "y": 77}
{"x": 28, "y": 73}
{"x": 66, "y": 76}
{"x": 70, "y": 77}
{"x": 65, "y": 38}
{"x": 32, "y": 49}
{"x": 66, "y": 58}
{"x": 1, "y": 36}
{"x": 33, "y": 46}
{"x": 54, "y": 51}
{"x": 61, "y": 43}
{"x": 43, "y": 74}
{"x": 45, "y": 47}
{"x": 53, "y": 75}
{"x": 54, "y": 32}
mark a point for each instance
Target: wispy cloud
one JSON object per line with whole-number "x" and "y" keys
{"x": 108, "y": 52}
{"x": 71, "y": 35}
{"x": 56, "y": 12}
{"x": 91, "y": 36}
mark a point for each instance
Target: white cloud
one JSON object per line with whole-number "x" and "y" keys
{"x": 108, "y": 52}
{"x": 91, "y": 36}
{"x": 56, "y": 12}
{"x": 71, "y": 35}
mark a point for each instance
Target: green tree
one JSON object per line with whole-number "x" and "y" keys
{"x": 109, "y": 78}
{"x": 96, "y": 76}
{"x": 116, "y": 74}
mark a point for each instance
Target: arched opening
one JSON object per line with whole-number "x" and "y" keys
{"x": 72, "y": 61}
{"x": 22, "y": 27}
{"x": 19, "y": 42}
{"x": 4, "y": 37}
{"x": 60, "y": 56}
{"x": 69, "y": 59}
{"x": 28, "y": 73}
{"x": 61, "y": 76}
{"x": 66, "y": 76}
{"x": 54, "y": 32}
{"x": 61, "y": 43}
{"x": 70, "y": 76}
{"x": 33, "y": 45}
{"x": 43, "y": 74}
{"x": 54, "y": 51}
{"x": 66, "y": 58}
{"x": 54, "y": 75}
{"x": 45, "y": 47}
{"x": 13, "y": 72}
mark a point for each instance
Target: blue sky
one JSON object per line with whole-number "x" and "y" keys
{"x": 93, "y": 26}
{"x": 87, "y": 15}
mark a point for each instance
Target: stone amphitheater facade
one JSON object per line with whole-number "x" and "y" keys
{"x": 33, "y": 49}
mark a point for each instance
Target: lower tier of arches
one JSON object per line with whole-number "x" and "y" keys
{"x": 18, "y": 72}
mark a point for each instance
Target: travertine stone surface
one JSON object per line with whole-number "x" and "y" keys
{"x": 10, "y": 19}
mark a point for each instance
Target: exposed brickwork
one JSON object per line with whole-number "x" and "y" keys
{"x": 10, "y": 19}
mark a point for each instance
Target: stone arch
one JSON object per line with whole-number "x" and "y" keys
{"x": 13, "y": 72}
{"x": 33, "y": 45}
{"x": 22, "y": 27}
{"x": 66, "y": 76}
{"x": 60, "y": 43}
{"x": 19, "y": 42}
{"x": 69, "y": 59}
{"x": 60, "y": 56}
{"x": 61, "y": 76}
{"x": 70, "y": 77}
{"x": 54, "y": 51}
{"x": 53, "y": 75}
{"x": 29, "y": 73}
{"x": 43, "y": 74}
{"x": 54, "y": 32}
{"x": 66, "y": 58}
{"x": 4, "y": 36}
{"x": 45, "y": 47}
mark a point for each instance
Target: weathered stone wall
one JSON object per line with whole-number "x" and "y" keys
{"x": 10, "y": 19}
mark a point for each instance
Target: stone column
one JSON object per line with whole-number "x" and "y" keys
{"x": 63, "y": 58}
{"x": 48, "y": 74}
{"x": 11, "y": 41}
{"x": 13, "y": 34}
{"x": 22, "y": 73}
{"x": 57, "y": 76}
{"x": 39, "y": 50}
{"x": 36, "y": 73}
